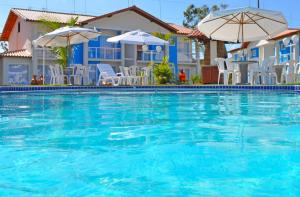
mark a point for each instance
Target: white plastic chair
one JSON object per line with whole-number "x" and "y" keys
{"x": 269, "y": 75}
{"x": 59, "y": 74}
{"x": 126, "y": 79}
{"x": 108, "y": 75}
{"x": 234, "y": 70}
{"x": 221, "y": 68}
{"x": 288, "y": 72}
{"x": 297, "y": 72}
{"x": 86, "y": 75}
{"x": 133, "y": 72}
{"x": 146, "y": 75}
{"x": 256, "y": 72}
{"x": 52, "y": 75}
{"x": 78, "y": 76}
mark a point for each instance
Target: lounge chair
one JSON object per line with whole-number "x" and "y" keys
{"x": 107, "y": 75}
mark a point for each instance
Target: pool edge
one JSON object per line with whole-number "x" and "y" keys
{"x": 293, "y": 88}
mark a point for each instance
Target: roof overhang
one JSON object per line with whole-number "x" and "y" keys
{"x": 287, "y": 33}
{"x": 10, "y": 22}
{"x": 23, "y": 53}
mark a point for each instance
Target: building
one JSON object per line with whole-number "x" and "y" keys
{"x": 262, "y": 49}
{"x": 23, "y": 26}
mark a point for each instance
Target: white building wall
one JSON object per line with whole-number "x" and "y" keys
{"x": 127, "y": 21}
{"x": 7, "y": 61}
{"x": 21, "y": 40}
{"x": 1, "y": 71}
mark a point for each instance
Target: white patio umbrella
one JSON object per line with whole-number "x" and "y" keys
{"x": 64, "y": 37}
{"x": 243, "y": 25}
{"x": 140, "y": 38}
{"x": 137, "y": 37}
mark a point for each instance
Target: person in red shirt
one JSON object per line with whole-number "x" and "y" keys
{"x": 182, "y": 76}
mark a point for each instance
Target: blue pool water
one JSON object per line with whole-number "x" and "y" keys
{"x": 150, "y": 144}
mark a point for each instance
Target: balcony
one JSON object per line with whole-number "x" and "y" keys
{"x": 186, "y": 58}
{"x": 146, "y": 56}
{"x": 49, "y": 55}
{"x": 104, "y": 53}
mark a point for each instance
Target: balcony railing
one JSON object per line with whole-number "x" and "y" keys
{"x": 188, "y": 58}
{"x": 105, "y": 53}
{"x": 146, "y": 56}
{"x": 49, "y": 55}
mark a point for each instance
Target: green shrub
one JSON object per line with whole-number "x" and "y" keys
{"x": 196, "y": 79}
{"x": 162, "y": 72}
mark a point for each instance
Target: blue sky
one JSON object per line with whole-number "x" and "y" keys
{"x": 171, "y": 10}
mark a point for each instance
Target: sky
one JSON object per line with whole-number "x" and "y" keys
{"x": 167, "y": 10}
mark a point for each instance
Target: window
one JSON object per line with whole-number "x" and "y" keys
{"x": 236, "y": 57}
{"x": 254, "y": 52}
{"x": 184, "y": 47}
{"x": 18, "y": 74}
{"x": 93, "y": 52}
{"x": 284, "y": 52}
{"x": 19, "y": 27}
{"x": 95, "y": 39}
{"x": 172, "y": 41}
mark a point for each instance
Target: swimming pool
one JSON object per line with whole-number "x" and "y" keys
{"x": 145, "y": 143}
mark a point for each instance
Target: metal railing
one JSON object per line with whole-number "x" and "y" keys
{"x": 106, "y": 53}
{"x": 186, "y": 57}
{"x": 146, "y": 56}
{"x": 49, "y": 55}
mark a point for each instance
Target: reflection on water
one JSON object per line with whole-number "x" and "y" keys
{"x": 144, "y": 143}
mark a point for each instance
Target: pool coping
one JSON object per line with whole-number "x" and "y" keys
{"x": 151, "y": 87}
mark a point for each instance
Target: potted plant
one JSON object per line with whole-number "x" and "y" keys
{"x": 163, "y": 72}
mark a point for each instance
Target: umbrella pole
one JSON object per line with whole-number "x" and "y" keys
{"x": 152, "y": 63}
{"x": 43, "y": 65}
{"x": 68, "y": 51}
{"x": 243, "y": 34}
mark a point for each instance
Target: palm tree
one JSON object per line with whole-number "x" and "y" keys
{"x": 61, "y": 52}
{"x": 3, "y": 46}
{"x": 193, "y": 15}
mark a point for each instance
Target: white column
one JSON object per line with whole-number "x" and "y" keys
{"x": 34, "y": 60}
{"x": 135, "y": 54}
{"x": 85, "y": 53}
{"x": 296, "y": 52}
{"x": 123, "y": 52}
{"x": 213, "y": 52}
{"x": 277, "y": 52}
{"x": 197, "y": 50}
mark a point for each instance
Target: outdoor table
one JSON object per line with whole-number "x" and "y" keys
{"x": 244, "y": 69}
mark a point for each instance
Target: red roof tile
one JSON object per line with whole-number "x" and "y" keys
{"x": 17, "y": 53}
{"x": 37, "y": 15}
{"x": 59, "y": 17}
{"x": 189, "y": 32}
{"x": 180, "y": 29}
{"x": 286, "y": 33}
{"x": 197, "y": 34}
